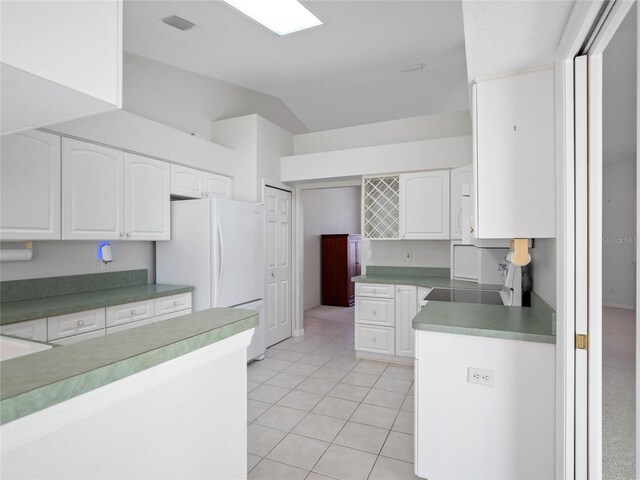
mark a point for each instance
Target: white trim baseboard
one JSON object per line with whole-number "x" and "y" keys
{"x": 298, "y": 333}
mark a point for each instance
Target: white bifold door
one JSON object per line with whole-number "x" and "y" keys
{"x": 278, "y": 265}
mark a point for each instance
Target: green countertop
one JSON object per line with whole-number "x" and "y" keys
{"x": 419, "y": 276}
{"x": 29, "y": 309}
{"x": 529, "y": 324}
{"x": 39, "y": 380}
{"x": 532, "y": 324}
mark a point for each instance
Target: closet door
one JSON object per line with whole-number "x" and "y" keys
{"x": 91, "y": 192}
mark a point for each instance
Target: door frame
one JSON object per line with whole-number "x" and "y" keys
{"x": 584, "y": 24}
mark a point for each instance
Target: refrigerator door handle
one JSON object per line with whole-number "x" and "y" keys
{"x": 221, "y": 256}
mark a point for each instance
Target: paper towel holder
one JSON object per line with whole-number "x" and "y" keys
{"x": 17, "y": 254}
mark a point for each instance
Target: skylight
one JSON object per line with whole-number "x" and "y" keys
{"x": 280, "y": 16}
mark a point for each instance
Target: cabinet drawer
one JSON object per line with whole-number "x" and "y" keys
{"x": 375, "y": 311}
{"x": 127, "y": 326}
{"x": 375, "y": 339}
{"x": 30, "y": 330}
{"x": 75, "y": 323}
{"x": 129, "y": 312}
{"x": 374, "y": 290}
{"x": 79, "y": 338}
{"x": 172, "y": 303}
{"x": 168, "y": 316}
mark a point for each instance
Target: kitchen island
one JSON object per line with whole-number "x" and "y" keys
{"x": 485, "y": 391}
{"x": 164, "y": 400}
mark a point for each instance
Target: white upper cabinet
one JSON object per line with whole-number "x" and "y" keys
{"x": 146, "y": 198}
{"x": 92, "y": 200}
{"x": 111, "y": 195}
{"x": 60, "y": 60}
{"x": 459, "y": 177}
{"x": 30, "y": 186}
{"x": 191, "y": 183}
{"x": 514, "y": 156}
{"x": 424, "y": 205}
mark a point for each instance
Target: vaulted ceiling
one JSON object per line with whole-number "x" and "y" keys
{"x": 345, "y": 72}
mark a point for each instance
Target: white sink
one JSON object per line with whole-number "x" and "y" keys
{"x": 11, "y": 347}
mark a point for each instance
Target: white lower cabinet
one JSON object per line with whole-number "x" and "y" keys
{"x": 129, "y": 312}
{"x": 75, "y": 323}
{"x": 29, "y": 330}
{"x": 370, "y": 338}
{"x": 172, "y": 303}
{"x": 406, "y": 310}
{"x": 383, "y": 320}
{"x": 75, "y": 327}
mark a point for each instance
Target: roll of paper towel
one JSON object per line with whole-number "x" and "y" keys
{"x": 15, "y": 254}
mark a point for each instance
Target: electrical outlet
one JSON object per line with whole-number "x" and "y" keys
{"x": 481, "y": 377}
{"x": 408, "y": 257}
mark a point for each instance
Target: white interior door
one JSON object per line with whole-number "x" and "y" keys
{"x": 278, "y": 263}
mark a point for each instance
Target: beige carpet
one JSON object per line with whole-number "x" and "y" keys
{"x": 618, "y": 392}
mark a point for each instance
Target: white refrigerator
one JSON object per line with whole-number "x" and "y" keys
{"x": 217, "y": 246}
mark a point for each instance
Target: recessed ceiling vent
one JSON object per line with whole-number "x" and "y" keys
{"x": 179, "y": 23}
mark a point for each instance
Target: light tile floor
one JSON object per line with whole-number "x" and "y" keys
{"x": 316, "y": 412}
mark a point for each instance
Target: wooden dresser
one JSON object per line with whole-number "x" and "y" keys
{"x": 340, "y": 262}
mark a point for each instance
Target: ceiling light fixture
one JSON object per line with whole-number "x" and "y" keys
{"x": 179, "y": 23}
{"x": 280, "y": 16}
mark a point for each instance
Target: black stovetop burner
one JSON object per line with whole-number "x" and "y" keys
{"x": 487, "y": 297}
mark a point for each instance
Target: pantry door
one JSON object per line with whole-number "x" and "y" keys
{"x": 278, "y": 292}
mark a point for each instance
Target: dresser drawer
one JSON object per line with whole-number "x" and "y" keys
{"x": 375, "y": 290}
{"x": 172, "y": 303}
{"x": 129, "y": 312}
{"x": 374, "y": 339}
{"x": 78, "y": 338}
{"x": 31, "y": 329}
{"x": 75, "y": 323}
{"x": 375, "y": 311}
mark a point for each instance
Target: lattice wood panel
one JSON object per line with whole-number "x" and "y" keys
{"x": 382, "y": 207}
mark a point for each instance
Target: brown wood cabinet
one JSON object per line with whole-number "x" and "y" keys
{"x": 340, "y": 262}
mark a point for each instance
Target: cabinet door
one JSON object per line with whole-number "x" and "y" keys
{"x": 216, "y": 185}
{"x": 459, "y": 177}
{"x": 186, "y": 182}
{"x": 406, "y": 310}
{"x": 424, "y": 205}
{"x": 30, "y": 186}
{"x": 147, "y": 201}
{"x": 515, "y": 158}
{"x": 91, "y": 192}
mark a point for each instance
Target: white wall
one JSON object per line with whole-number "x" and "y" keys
{"x": 425, "y": 127}
{"x": 619, "y": 231}
{"x": 61, "y": 258}
{"x": 424, "y": 253}
{"x": 190, "y": 102}
{"x": 329, "y": 210}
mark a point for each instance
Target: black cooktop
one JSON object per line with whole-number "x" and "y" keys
{"x": 487, "y": 297}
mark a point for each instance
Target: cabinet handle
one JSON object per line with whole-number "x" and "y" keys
{"x": 133, "y": 312}
{"x": 373, "y": 339}
{"x": 471, "y": 229}
{"x": 175, "y": 302}
{"x": 80, "y": 323}
{"x": 122, "y": 234}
